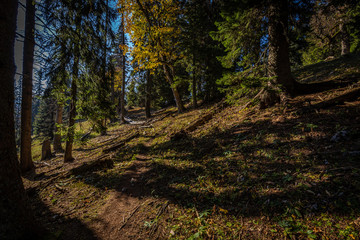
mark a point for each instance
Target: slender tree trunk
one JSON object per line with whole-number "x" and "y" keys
{"x": 70, "y": 136}
{"x": 105, "y": 79}
{"x": 16, "y": 220}
{"x": 112, "y": 84}
{"x": 58, "y": 121}
{"x": 169, "y": 76}
{"x": 26, "y": 163}
{"x": 345, "y": 39}
{"x": 122, "y": 95}
{"x": 278, "y": 59}
{"x": 148, "y": 95}
{"x": 194, "y": 85}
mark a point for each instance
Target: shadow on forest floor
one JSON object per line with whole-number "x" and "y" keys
{"x": 248, "y": 174}
{"x": 287, "y": 170}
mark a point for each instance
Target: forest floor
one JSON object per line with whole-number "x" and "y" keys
{"x": 217, "y": 172}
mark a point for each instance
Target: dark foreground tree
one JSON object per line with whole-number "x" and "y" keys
{"x": 278, "y": 59}
{"x": 26, "y": 163}
{"x": 16, "y": 221}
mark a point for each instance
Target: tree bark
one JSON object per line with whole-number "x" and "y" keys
{"x": 148, "y": 95}
{"x": 57, "y": 135}
{"x": 112, "y": 83}
{"x": 16, "y": 219}
{"x": 122, "y": 95}
{"x": 46, "y": 150}
{"x": 194, "y": 85}
{"x": 26, "y": 162}
{"x": 70, "y": 135}
{"x": 345, "y": 38}
{"x": 169, "y": 73}
{"x": 278, "y": 59}
{"x": 104, "y": 80}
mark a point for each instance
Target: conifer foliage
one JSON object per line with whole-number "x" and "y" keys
{"x": 167, "y": 52}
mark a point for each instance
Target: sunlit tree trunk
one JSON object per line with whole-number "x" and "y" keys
{"x": 58, "y": 121}
{"x": 26, "y": 163}
{"x": 122, "y": 94}
{"x": 148, "y": 95}
{"x": 194, "y": 84}
{"x": 16, "y": 220}
{"x": 112, "y": 85}
{"x": 345, "y": 38}
{"x": 169, "y": 73}
{"x": 70, "y": 135}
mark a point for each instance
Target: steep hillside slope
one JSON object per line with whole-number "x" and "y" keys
{"x": 218, "y": 172}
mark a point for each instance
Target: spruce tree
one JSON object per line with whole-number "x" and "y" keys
{"x": 26, "y": 163}
{"x": 16, "y": 219}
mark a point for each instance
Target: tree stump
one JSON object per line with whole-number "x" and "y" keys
{"x": 46, "y": 150}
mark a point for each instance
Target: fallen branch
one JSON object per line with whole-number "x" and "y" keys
{"x": 121, "y": 143}
{"x": 146, "y": 126}
{"x": 160, "y": 118}
{"x": 159, "y": 213}
{"x": 132, "y": 214}
{"x": 252, "y": 100}
{"x": 42, "y": 164}
{"x": 99, "y": 163}
{"x": 67, "y": 173}
{"x": 347, "y": 96}
{"x": 199, "y": 122}
{"x": 86, "y": 135}
{"x": 113, "y": 147}
{"x": 59, "y": 188}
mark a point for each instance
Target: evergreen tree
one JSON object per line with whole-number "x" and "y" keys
{"x": 16, "y": 219}
{"x": 26, "y": 163}
{"x": 200, "y": 50}
{"x": 81, "y": 49}
{"x": 44, "y": 121}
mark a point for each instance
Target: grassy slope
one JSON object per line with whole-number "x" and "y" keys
{"x": 245, "y": 174}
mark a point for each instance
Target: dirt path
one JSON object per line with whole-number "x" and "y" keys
{"x": 117, "y": 219}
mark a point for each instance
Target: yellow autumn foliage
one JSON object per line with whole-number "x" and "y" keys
{"x": 153, "y": 30}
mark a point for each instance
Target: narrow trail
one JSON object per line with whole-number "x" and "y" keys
{"x": 116, "y": 220}
{"x": 122, "y": 216}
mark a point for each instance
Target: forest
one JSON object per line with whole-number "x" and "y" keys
{"x": 179, "y": 119}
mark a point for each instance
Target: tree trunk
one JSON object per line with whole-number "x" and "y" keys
{"x": 148, "y": 95}
{"x": 16, "y": 220}
{"x": 194, "y": 85}
{"x": 46, "y": 150}
{"x": 122, "y": 96}
{"x": 170, "y": 77}
{"x": 278, "y": 59}
{"x": 57, "y": 135}
{"x": 345, "y": 38}
{"x": 112, "y": 83}
{"x": 26, "y": 163}
{"x": 104, "y": 80}
{"x": 70, "y": 136}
